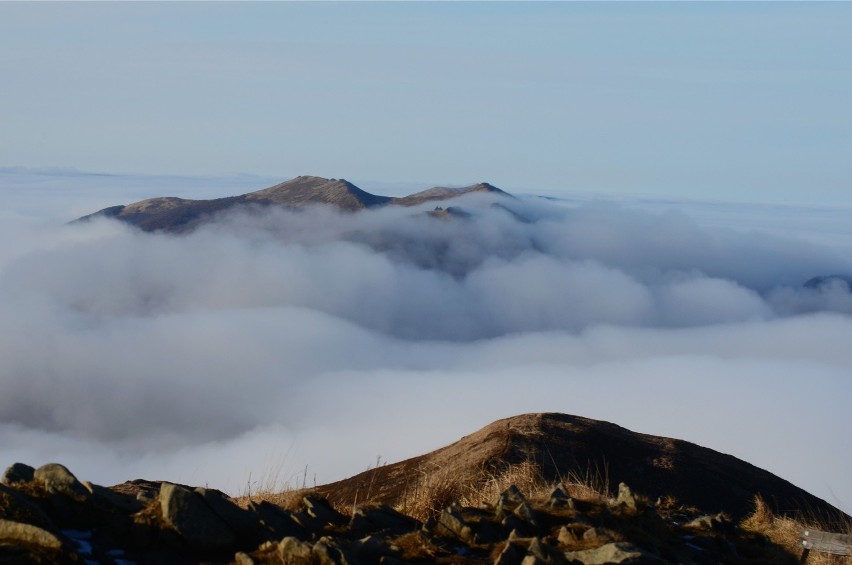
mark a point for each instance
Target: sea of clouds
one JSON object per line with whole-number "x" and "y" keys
{"x": 272, "y": 347}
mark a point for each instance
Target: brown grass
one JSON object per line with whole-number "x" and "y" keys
{"x": 786, "y": 531}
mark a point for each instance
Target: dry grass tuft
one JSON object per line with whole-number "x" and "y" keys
{"x": 786, "y": 531}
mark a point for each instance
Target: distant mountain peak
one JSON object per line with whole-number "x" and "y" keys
{"x": 178, "y": 214}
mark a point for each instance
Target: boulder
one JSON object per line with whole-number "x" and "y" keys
{"x": 327, "y": 552}
{"x": 187, "y": 513}
{"x": 512, "y": 554}
{"x": 509, "y": 499}
{"x": 16, "y": 533}
{"x": 560, "y": 499}
{"x": 17, "y": 473}
{"x": 244, "y": 522}
{"x": 57, "y": 479}
{"x": 18, "y": 508}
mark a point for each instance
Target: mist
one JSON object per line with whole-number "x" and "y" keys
{"x": 271, "y": 346}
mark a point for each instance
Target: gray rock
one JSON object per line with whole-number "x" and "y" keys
{"x": 187, "y": 513}
{"x": 596, "y": 534}
{"x": 566, "y": 536}
{"x": 17, "y": 473}
{"x": 27, "y": 534}
{"x": 244, "y": 522}
{"x": 280, "y": 522}
{"x": 320, "y": 509}
{"x": 512, "y": 554}
{"x": 451, "y": 523}
{"x": 18, "y": 508}
{"x": 327, "y": 552}
{"x": 241, "y": 558}
{"x": 57, "y": 479}
{"x": 543, "y": 552}
{"x": 509, "y": 499}
{"x": 560, "y": 499}
{"x": 294, "y": 551}
{"x": 611, "y": 553}
{"x": 382, "y": 518}
{"x": 625, "y": 497}
{"x": 525, "y": 512}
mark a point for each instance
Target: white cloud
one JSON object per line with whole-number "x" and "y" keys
{"x": 265, "y": 343}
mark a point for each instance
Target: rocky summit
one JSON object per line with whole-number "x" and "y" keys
{"x": 515, "y": 517}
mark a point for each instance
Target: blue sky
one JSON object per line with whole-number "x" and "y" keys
{"x": 732, "y": 101}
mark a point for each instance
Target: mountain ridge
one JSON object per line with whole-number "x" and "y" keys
{"x": 173, "y": 214}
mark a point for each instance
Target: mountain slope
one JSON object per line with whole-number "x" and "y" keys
{"x": 570, "y": 446}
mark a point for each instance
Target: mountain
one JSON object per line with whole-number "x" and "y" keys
{"x": 568, "y": 447}
{"x": 445, "y": 193}
{"x": 499, "y": 516}
{"x": 178, "y": 214}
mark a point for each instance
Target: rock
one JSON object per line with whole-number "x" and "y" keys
{"x": 719, "y": 522}
{"x": 57, "y": 479}
{"x": 625, "y": 497}
{"x": 27, "y": 534}
{"x": 512, "y": 554}
{"x": 280, "y": 522}
{"x": 327, "y": 552}
{"x": 294, "y": 551}
{"x": 17, "y": 507}
{"x": 596, "y": 534}
{"x": 241, "y": 558}
{"x": 509, "y": 499}
{"x": 543, "y": 552}
{"x": 320, "y": 509}
{"x": 560, "y": 499}
{"x": 381, "y": 519}
{"x": 566, "y": 536}
{"x": 611, "y": 553}
{"x": 244, "y": 522}
{"x": 187, "y": 513}
{"x": 451, "y": 523}
{"x": 17, "y": 473}
{"x": 525, "y": 512}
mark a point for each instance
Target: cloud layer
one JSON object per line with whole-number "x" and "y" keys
{"x": 267, "y": 342}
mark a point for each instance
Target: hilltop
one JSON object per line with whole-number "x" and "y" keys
{"x": 489, "y": 498}
{"x": 171, "y": 214}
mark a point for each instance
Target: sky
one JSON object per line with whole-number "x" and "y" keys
{"x": 735, "y": 101}
{"x": 681, "y": 169}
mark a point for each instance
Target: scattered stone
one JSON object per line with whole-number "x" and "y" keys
{"x": 525, "y": 512}
{"x": 17, "y": 473}
{"x": 451, "y": 523}
{"x": 27, "y": 534}
{"x": 280, "y": 522}
{"x": 611, "y": 553}
{"x": 560, "y": 499}
{"x": 57, "y": 479}
{"x": 292, "y": 550}
{"x": 595, "y": 534}
{"x": 320, "y": 509}
{"x": 327, "y": 552}
{"x": 381, "y": 519}
{"x": 193, "y": 519}
{"x": 509, "y": 499}
{"x": 512, "y": 554}
{"x": 241, "y": 558}
{"x": 625, "y": 497}
{"x": 566, "y": 536}
{"x": 543, "y": 552}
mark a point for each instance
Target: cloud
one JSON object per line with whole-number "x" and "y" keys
{"x": 270, "y": 341}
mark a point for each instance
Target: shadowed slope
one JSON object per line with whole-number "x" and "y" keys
{"x": 566, "y": 447}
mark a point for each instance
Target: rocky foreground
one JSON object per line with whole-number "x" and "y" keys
{"x": 459, "y": 504}
{"x": 48, "y": 516}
